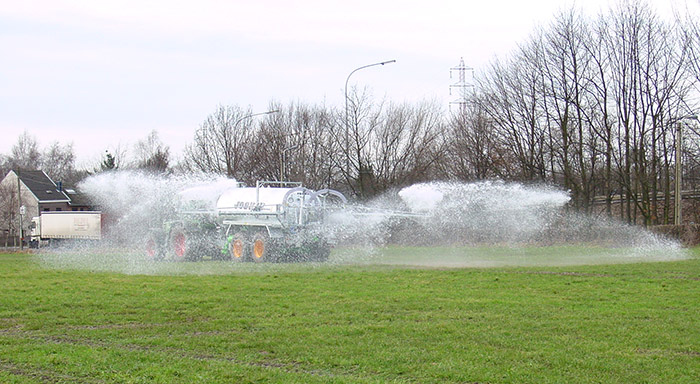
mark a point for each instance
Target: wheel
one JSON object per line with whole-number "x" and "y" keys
{"x": 238, "y": 247}
{"x": 153, "y": 250}
{"x": 179, "y": 245}
{"x": 185, "y": 246}
{"x": 261, "y": 248}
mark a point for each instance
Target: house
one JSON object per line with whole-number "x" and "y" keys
{"x": 37, "y": 193}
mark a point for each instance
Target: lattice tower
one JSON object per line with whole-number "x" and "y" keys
{"x": 465, "y": 77}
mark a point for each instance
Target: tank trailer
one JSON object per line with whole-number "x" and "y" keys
{"x": 273, "y": 221}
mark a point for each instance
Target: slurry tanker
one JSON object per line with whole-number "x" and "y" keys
{"x": 273, "y": 221}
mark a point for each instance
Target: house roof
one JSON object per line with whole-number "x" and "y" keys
{"x": 42, "y": 186}
{"x": 77, "y": 198}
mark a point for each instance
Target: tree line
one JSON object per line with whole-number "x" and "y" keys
{"x": 590, "y": 104}
{"x": 59, "y": 161}
{"x": 593, "y": 105}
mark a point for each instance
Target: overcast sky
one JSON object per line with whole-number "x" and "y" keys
{"x": 106, "y": 73}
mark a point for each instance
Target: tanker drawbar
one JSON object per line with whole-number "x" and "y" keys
{"x": 271, "y": 222}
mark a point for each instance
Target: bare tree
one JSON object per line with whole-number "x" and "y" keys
{"x": 25, "y": 153}
{"x": 220, "y": 142}
{"x": 152, "y": 154}
{"x": 267, "y": 145}
{"x": 570, "y": 75}
{"x": 405, "y": 146}
{"x": 363, "y": 118}
{"x": 381, "y": 145}
{"x": 689, "y": 25}
{"x": 585, "y": 104}
{"x": 510, "y": 99}
{"x": 589, "y": 106}
{"x": 295, "y": 145}
{"x": 9, "y": 215}
{"x": 307, "y": 151}
{"x": 600, "y": 119}
{"x": 473, "y": 151}
{"x": 5, "y": 165}
{"x": 59, "y": 163}
{"x": 648, "y": 87}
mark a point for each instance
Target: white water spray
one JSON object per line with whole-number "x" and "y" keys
{"x": 496, "y": 223}
{"x": 133, "y": 204}
{"x": 453, "y": 224}
{"x": 485, "y": 211}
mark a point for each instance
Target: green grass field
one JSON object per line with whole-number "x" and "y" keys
{"x": 364, "y": 322}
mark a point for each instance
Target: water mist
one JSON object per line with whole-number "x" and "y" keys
{"x": 452, "y": 224}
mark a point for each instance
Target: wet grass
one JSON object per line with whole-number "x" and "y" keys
{"x": 512, "y": 256}
{"x": 618, "y": 323}
{"x": 130, "y": 262}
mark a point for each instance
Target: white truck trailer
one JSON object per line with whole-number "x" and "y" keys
{"x": 84, "y": 225}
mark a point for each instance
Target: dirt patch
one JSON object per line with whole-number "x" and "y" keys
{"x": 120, "y": 326}
{"x": 666, "y": 353}
{"x": 43, "y": 375}
{"x": 51, "y": 377}
{"x": 583, "y": 274}
{"x": 580, "y": 274}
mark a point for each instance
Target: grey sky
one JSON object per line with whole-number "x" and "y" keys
{"x": 106, "y": 73}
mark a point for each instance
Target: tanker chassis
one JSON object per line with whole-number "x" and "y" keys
{"x": 273, "y": 221}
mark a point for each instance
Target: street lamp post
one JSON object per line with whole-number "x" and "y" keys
{"x": 255, "y": 114}
{"x": 283, "y": 164}
{"x": 347, "y": 122}
{"x": 678, "y": 219}
{"x": 20, "y": 211}
{"x": 679, "y": 175}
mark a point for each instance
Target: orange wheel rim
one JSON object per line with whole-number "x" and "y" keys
{"x": 237, "y": 249}
{"x": 259, "y": 249}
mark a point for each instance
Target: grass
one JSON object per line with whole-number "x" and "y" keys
{"x": 618, "y": 323}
